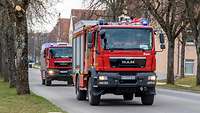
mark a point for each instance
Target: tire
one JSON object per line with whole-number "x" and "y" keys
{"x": 93, "y": 99}
{"x": 80, "y": 95}
{"x": 128, "y": 96}
{"x": 43, "y": 81}
{"x": 70, "y": 82}
{"x": 147, "y": 99}
{"x": 48, "y": 82}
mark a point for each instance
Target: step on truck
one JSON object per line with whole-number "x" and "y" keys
{"x": 117, "y": 58}
{"x": 56, "y": 63}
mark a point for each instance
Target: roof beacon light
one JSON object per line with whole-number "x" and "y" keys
{"x": 140, "y": 21}
{"x": 136, "y": 21}
{"x": 101, "y": 21}
{"x": 144, "y": 21}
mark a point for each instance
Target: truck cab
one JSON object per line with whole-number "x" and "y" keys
{"x": 56, "y": 63}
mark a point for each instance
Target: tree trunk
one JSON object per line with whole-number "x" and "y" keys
{"x": 170, "y": 63}
{"x": 11, "y": 55}
{"x": 183, "y": 57}
{"x": 0, "y": 52}
{"x": 5, "y": 65}
{"x": 4, "y": 49}
{"x": 22, "y": 84}
{"x": 198, "y": 65}
{"x": 4, "y": 59}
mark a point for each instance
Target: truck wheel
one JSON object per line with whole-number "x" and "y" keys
{"x": 128, "y": 96}
{"x": 80, "y": 94}
{"x": 43, "y": 81}
{"x": 48, "y": 82}
{"x": 147, "y": 99}
{"x": 93, "y": 99}
{"x": 70, "y": 82}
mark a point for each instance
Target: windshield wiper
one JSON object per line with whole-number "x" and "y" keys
{"x": 138, "y": 49}
{"x": 112, "y": 49}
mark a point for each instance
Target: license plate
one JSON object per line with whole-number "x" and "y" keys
{"x": 63, "y": 71}
{"x": 128, "y": 77}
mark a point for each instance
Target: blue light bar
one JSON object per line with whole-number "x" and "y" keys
{"x": 144, "y": 21}
{"x": 101, "y": 21}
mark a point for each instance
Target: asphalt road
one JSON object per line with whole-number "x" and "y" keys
{"x": 63, "y": 96}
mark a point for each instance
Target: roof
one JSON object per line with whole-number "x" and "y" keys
{"x": 61, "y": 30}
{"x": 84, "y": 14}
{"x": 54, "y": 45}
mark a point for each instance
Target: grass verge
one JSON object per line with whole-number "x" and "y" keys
{"x": 10, "y": 102}
{"x": 183, "y": 84}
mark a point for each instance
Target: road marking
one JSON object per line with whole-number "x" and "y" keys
{"x": 188, "y": 86}
{"x": 54, "y": 112}
{"x": 161, "y": 83}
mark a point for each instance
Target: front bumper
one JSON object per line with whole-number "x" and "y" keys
{"x": 124, "y": 80}
{"x": 120, "y": 83}
{"x": 59, "y": 74}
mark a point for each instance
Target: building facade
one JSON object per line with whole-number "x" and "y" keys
{"x": 190, "y": 62}
{"x": 60, "y": 32}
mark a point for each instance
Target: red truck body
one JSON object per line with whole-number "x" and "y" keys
{"x": 106, "y": 60}
{"x": 56, "y": 63}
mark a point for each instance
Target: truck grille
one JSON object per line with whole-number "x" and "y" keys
{"x": 127, "y": 62}
{"x": 63, "y": 64}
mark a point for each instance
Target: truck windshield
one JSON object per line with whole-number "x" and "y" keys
{"x": 61, "y": 52}
{"x": 127, "y": 39}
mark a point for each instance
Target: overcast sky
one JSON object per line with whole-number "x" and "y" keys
{"x": 64, "y": 8}
{"x": 66, "y": 5}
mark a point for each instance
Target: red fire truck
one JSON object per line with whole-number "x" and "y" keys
{"x": 117, "y": 58}
{"x": 56, "y": 63}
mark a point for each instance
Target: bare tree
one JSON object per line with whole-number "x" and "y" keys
{"x": 114, "y": 8}
{"x": 136, "y": 9}
{"x": 4, "y": 53}
{"x": 170, "y": 14}
{"x": 193, "y": 13}
{"x": 17, "y": 11}
{"x": 183, "y": 44}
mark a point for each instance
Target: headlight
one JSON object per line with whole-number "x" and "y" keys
{"x": 103, "y": 77}
{"x": 152, "y": 78}
{"x": 51, "y": 72}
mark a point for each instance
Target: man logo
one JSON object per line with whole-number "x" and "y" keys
{"x": 128, "y": 62}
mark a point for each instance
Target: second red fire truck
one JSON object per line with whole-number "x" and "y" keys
{"x": 56, "y": 63}
{"x": 117, "y": 58}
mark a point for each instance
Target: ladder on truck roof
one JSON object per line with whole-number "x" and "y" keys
{"x": 83, "y": 23}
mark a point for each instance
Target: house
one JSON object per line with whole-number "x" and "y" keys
{"x": 190, "y": 64}
{"x": 60, "y": 32}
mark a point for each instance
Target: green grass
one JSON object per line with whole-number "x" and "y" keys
{"x": 10, "y": 102}
{"x": 186, "y": 84}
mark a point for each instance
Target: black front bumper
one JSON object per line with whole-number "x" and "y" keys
{"x": 119, "y": 83}
{"x": 60, "y": 76}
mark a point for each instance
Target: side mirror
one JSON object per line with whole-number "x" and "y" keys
{"x": 162, "y": 46}
{"x": 89, "y": 45}
{"x": 52, "y": 52}
{"x": 102, "y": 34}
{"x": 45, "y": 53}
{"x": 162, "y": 41}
